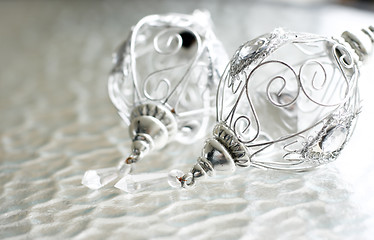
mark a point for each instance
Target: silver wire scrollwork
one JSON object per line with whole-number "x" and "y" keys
{"x": 323, "y": 84}
{"x": 168, "y": 42}
{"x": 172, "y": 60}
{"x": 172, "y": 43}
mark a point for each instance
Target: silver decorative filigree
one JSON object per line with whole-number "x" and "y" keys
{"x": 173, "y": 60}
{"x": 310, "y": 87}
{"x": 163, "y": 80}
{"x": 287, "y": 96}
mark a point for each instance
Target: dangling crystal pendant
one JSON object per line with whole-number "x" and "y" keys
{"x": 163, "y": 83}
{"x": 134, "y": 183}
{"x": 98, "y": 178}
{"x": 95, "y": 179}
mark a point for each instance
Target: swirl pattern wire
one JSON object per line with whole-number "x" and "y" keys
{"x": 56, "y": 118}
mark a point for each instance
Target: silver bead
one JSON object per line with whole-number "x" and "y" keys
{"x": 360, "y": 42}
{"x": 205, "y": 166}
{"x": 228, "y": 139}
{"x": 197, "y": 171}
{"x": 152, "y": 126}
{"x": 151, "y": 129}
{"x": 218, "y": 156}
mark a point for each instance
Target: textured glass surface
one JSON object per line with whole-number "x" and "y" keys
{"x": 57, "y": 122}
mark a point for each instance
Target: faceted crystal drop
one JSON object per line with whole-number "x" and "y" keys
{"x": 173, "y": 178}
{"x": 133, "y": 183}
{"x": 334, "y": 139}
{"x": 95, "y": 179}
{"x": 128, "y": 184}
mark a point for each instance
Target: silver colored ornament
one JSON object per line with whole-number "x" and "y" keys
{"x": 163, "y": 84}
{"x": 287, "y": 101}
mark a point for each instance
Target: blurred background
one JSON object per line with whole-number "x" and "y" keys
{"x": 57, "y": 121}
